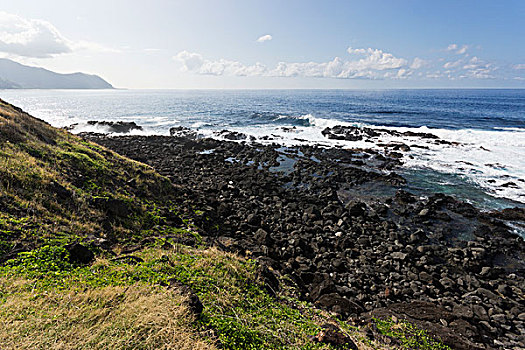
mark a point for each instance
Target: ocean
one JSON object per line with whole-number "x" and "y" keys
{"x": 486, "y": 167}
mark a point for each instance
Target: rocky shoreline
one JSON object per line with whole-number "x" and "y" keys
{"x": 341, "y": 228}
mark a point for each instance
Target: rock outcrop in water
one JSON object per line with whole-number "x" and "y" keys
{"x": 350, "y": 236}
{"x": 119, "y": 127}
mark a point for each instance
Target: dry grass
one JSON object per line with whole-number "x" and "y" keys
{"x": 136, "y": 317}
{"x": 52, "y": 179}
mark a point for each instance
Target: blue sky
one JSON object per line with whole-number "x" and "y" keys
{"x": 304, "y": 44}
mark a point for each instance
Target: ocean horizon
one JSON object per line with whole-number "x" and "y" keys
{"x": 483, "y": 164}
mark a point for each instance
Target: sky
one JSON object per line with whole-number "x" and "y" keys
{"x": 160, "y": 44}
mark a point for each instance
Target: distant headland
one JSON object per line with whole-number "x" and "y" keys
{"x": 14, "y": 75}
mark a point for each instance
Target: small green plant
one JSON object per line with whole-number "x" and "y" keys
{"x": 46, "y": 259}
{"x": 409, "y": 336}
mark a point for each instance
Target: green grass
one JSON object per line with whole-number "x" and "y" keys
{"x": 237, "y": 308}
{"x": 408, "y": 335}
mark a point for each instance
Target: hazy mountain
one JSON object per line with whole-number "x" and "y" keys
{"x": 14, "y": 75}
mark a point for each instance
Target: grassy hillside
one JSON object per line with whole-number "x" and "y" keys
{"x": 96, "y": 253}
{"x": 56, "y": 187}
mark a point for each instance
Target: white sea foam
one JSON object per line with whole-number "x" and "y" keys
{"x": 84, "y": 127}
{"x": 488, "y": 158}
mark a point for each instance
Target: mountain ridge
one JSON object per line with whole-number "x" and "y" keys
{"x": 14, "y": 75}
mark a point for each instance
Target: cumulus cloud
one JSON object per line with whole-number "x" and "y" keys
{"x": 473, "y": 68}
{"x": 462, "y": 50}
{"x": 452, "y": 64}
{"x": 37, "y": 38}
{"x": 375, "y": 64}
{"x": 473, "y": 63}
{"x": 30, "y": 37}
{"x": 417, "y": 63}
{"x": 264, "y": 38}
{"x": 191, "y": 61}
{"x": 376, "y": 59}
{"x": 457, "y": 49}
{"x": 371, "y": 64}
{"x": 360, "y": 63}
{"x": 194, "y": 62}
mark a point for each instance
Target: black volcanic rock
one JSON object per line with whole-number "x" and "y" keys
{"x": 118, "y": 127}
{"x": 350, "y": 251}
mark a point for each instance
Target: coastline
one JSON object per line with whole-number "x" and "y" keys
{"x": 352, "y": 252}
{"x": 484, "y": 127}
{"x": 334, "y": 227}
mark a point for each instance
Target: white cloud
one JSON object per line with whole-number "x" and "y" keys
{"x": 30, "y": 37}
{"x": 435, "y": 75}
{"x": 462, "y": 50}
{"x": 376, "y": 59}
{"x": 458, "y": 50}
{"x": 375, "y": 64}
{"x": 480, "y": 73}
{"x": 361, "y": 63}
{"x": 417, "y": 63}
{"x": 38, "y": 38}
{"x": 473, "y": 68}
{"x": 264, "y": 38}
{"x": 473, "y": 63}
{"x": 452, "y": 64}
{"x": 191, "y": 61}
{"x": 194, "y": 62}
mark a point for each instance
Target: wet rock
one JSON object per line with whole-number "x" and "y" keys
{"x": 120, "y": 127}
{"x": 516, "y": 213}
{"x": 404, "y": 197}
{"x": 231, "y": 135}
{"x": 180, "y": 131}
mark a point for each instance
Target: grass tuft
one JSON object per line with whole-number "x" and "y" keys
{"x": 408, "y": 335}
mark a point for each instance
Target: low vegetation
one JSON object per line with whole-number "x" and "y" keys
{"x": 408, "y": 335}
{"x": 49, "y": 301}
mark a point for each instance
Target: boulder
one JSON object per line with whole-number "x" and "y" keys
{"x": 80, "y": 254}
